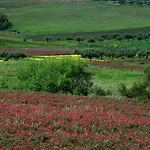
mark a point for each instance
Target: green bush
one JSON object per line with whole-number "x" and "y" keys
{"x": 9, "y": 55}
{"x": 99, "y": 91}
{"x": 147, "y": 74}
{"x": 4, "y": 22}
{"x": 57, "y": 75}
{"x": 91, "y": 40}
{"x": 90, "y": 53}
{"x": 3, "y": 54}
{"x": 69, "y": 39}
{"x": 138, "y": 89}
{"x": 79, "y": 39}
{"x": 18, "y": 55}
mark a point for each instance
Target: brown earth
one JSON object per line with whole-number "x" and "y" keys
{"x": 39, "y": 51}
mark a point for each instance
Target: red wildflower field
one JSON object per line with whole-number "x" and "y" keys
{"x": 55, "y": 121}
{"x": 116, "y": 64}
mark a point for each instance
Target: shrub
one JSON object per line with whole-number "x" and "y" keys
{"x": 99, "y": 91}
{"x": 137, "y": 89}
{"x": 9, "y": 55}
{"x": 57, "y": 75}
{"x": 3, "y": 54}
{"x": 18, "y": 55}
{"x": 147, "y": 74}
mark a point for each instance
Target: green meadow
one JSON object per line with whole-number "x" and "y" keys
{"x": 79, "y": 17}
{"x": 110, "y": 79}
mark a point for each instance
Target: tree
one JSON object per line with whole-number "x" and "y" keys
{"x": 79, "y": 39}
{"x": 145, "y": 37}
{"x": 104, "y": 37}
{"x": 114, "y": 36}
{"x": 4, "y": 22}
{"x": 91, "y": 40}
{"x": 48, "y": 39}
{"x": 119, "y": 38}
{"x": 101, "y": 39}
{"x": 139, "y": 38}
{"x": 69, "y": 39}
{"x": 128, "y": 37}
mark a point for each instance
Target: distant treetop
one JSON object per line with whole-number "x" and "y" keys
{"x": 4, "y": 22}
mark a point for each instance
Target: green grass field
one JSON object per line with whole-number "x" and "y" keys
{"x": 6, "y": 43}
{"x": 79, "y": 17}
{"x": 109, "y": 78}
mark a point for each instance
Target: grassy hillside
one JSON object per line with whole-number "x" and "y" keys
{"x": 23, "y": 3}
{"x": 54, "y": 18}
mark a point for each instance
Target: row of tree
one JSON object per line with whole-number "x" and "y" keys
{"x": 117, "y": 37}
{"x": 113, "y": 53}
{"x": 133, "y": 2}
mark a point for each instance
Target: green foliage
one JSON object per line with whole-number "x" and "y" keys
{"x": 57, "y": 75}
{"x": 137, "y": 89}
{"x": 79, "y": 39}
{"x": 104, "y": 37}
{"x": 69, "y": 39}
{"x": 4, "y": 22}
{"x": 10, "y": 55}
{"x": 3, "y": 54}
{"x": 99, "y": 91}
{"x": 91, "y": 40}
{"x": 128, "y": 37}
{"x": 139, "y": 37}
{"x": 90, "y": 53}
{"x": 119, "y": 38}
{"x": 113, "y": 53}
{"x": 48, "y": 39}
{"x": 147, "y": 74}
